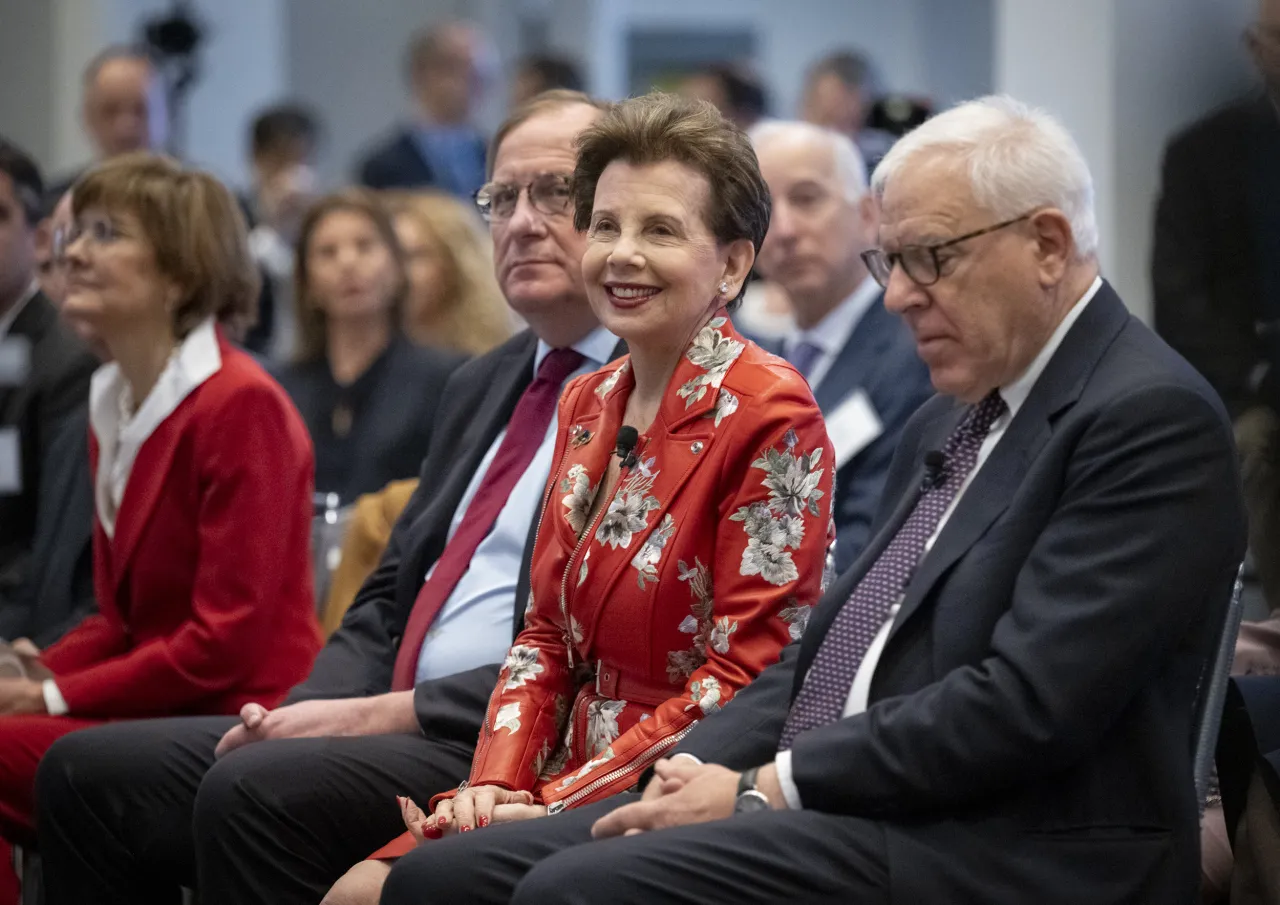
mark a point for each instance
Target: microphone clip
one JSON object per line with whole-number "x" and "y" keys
{"x": 626, "y": 442}
{"x": 935, "y": 470}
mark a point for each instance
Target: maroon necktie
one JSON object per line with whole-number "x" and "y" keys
{"x": 525, "y": 430}
{"x": 825, "y": 688}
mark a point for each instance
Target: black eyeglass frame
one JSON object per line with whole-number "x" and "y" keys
{"x": 880, "y": 264}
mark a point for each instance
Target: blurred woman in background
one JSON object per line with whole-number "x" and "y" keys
{"x": 368, "y": 395}
{"x": 202, "y": 480}
{"x": 453, "y": 300}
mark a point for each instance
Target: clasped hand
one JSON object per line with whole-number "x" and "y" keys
{"x": 472, "y": 808}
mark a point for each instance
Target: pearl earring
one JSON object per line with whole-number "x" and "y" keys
{"x": 724, "y": 288}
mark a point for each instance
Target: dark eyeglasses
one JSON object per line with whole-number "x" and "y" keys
{"x": 921, "y": 263}
{"x": 550, "y": 193}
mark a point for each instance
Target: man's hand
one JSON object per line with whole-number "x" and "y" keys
{"x": 687, "y": 792}
{"x": 21, "y": 697}
{"x": 382, "y": 715}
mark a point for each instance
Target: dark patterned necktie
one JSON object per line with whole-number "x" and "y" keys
{"x": 804, "y": 355}
{"x": 826, "y": 686}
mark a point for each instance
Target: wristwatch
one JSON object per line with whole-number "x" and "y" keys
{"x": 750, "y": 799}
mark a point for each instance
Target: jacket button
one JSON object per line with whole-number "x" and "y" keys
{"x": 695, "y": 447}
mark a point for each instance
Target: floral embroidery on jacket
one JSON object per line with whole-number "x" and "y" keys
{"x": 579, "y": 494}
{"x": 777, "y": 527}
{"x": 522, "y": 666}
{"x": 646, "y": 559}
{"x": 720, "y": 635}
{"x": 682, "y": 663}
{"x": 607, "y": 385}
{"x": 590, "y": 765}
{"x": 508, "y": 717}
{"x": 602, "y": 724}
{"x": 705, "y": 693}
{"x": 726, "y": 405}
{"x": 796, "y": 616}
{"x": 628, "y": 512}
{"x": 712, "y": 351}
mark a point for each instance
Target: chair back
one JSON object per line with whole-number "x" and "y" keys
{"x": 1211, "y": 692}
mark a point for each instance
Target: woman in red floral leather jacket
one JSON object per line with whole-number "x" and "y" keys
{"x": 665, "y": 580}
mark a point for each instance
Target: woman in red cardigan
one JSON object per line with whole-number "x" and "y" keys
{"x": 668, "y": 574}
{"x": 202, "y": 480}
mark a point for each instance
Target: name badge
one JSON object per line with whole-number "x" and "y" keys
{"x": 10, "y": 461}
{"x": 852, "y": 426}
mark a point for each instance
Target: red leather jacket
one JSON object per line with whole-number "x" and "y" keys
{"x": 681, "y": 590}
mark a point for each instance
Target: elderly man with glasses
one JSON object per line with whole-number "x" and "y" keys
{"x": 995, "y": 702}
{"x": 275, "y": 806}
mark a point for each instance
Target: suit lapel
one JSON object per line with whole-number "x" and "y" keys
{"x": 512, "y": 373}
{"x": 31, "y": 324}
{"x": 996, "y": 483}
{"x": 682, "y": 435}
{"x": 854, "y": 364}
{"x": 147, "y": 483}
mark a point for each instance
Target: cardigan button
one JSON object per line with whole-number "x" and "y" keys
{"x": 695, "y": 447}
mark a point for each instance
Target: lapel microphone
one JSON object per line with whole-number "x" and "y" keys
{"x": 628, "y": 437}
{"x": 935, "y": 469}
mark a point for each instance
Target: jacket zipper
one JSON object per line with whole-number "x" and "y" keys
{"x": 642, "y": 763}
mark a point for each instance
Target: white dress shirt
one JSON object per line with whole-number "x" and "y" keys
{"x": 831, "y": 334}
{"x": 1014, "y": 395}
{"x": 121, "y": 431}
{"x": 474, "y": 626}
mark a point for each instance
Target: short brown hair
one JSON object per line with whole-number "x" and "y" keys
{"x": 313, "y": 331}
{"x": 537, "y": 106}
{"x": 195, "y": 227}
{"x": 658, "y": 127}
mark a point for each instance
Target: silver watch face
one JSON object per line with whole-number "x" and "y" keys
{"x": 749, "y": 801}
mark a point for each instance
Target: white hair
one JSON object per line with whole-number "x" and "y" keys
{"x": 1017, "y": 158}
{"x": 850, "y": 166}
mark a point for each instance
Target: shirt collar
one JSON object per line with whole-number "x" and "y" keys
{"x": 1016, "y": 393}
{"x": 8, "y": 318}
{"x": 196, "y": 360}
{"x": 832, "y": 332}
{"x": 596, "y": 347}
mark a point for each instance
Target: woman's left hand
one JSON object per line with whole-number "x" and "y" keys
{"x": 21, "y": 697}
{"x": 474, "y": 807}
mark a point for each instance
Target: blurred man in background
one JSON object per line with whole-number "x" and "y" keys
{"x": 1215, "y": 274}
{"x": 839, "y": 93}
{"x": 443, "y": 148}
{"x": 860, "y": 360}
{"x": 282, "y": 147}
{"x": 124, "y": 107}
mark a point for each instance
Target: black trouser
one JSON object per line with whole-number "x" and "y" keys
{"x": 129, "y": 812}
{"x": 776, "y": 856}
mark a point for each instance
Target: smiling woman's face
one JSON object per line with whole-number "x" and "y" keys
{"x": 652, "y": 265}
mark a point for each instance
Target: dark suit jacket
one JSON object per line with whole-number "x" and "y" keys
{"x": 357, "y": 661}
{"x": 879, "y": 360}
{"x": 56, "y": 389}
{"x": 392, "y": 423}
{"x": 1215, "y": 268}
{"x": 1029, "y": 730}
{"x": 397, "y": 163}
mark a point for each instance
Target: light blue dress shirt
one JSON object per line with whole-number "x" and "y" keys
{"x": 475, "y": 624}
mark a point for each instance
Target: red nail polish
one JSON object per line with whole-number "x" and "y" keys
{"x": 465, "y": 829}
{"x": 443, "y": 821}
{"x": 483, "y": 821}
{"x": 431, "y": 832}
